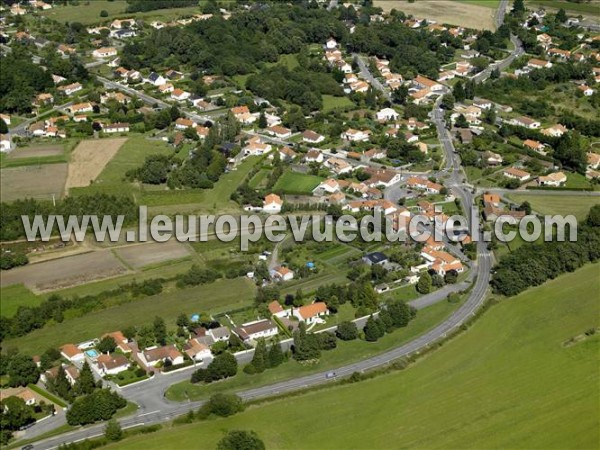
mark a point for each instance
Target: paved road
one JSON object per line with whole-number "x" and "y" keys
{"x": 21, "y": 129}
{"x": 366, "y": 74}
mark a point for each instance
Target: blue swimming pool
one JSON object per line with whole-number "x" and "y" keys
{"x": 92, "y": 353}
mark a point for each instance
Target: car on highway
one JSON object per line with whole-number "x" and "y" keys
{"x": 330, "y": 375}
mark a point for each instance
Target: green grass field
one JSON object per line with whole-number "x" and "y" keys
{"x": 487, "y": 3}
{"x": 579, "y": 205}
{"x": 88, "y": 12}
{"x": 221, "y": 295}
{"x": 297, "y": 183}
{"x": 331, "y": 102}
{"x": 506, "y": 383}
{"x": 591, "y": 8}
{"x": 11, "y": 297}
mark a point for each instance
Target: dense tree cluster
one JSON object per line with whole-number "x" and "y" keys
{"x": 151, "y": 5}
{"x": 237, "y": 45}
{"x": 299, "y": 86}
{"x": 222, "y": 366}
{"x": 409, "y": 52}
{"x": 100, "y": 405}
{"x": 20, "y": 80}
{"x": 14, "y": 414}
{"x": 533, "y": 264}
{"x": 240, "y": 439}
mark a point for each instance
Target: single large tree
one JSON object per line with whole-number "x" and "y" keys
{"x": 424, "y": 283}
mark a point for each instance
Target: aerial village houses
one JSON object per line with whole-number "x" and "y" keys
{"x": 312, "y": 313}
{"x": 516, "y": 174}
{"x": 251, "y": 331}
{"x": 555, "y": 179}
{"x": 104, "y": 52}
{"x": 272, "y": 204}
{"x": 70, "y": 88}
{"x": 155, "y": 355}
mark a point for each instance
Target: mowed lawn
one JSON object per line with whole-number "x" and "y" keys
{"x": 222, "y": 295}
{"x": 578, "y": 205}
{"x": 508, "y": 382}
{"x": 297, "y": 183}
{"x": 331, "y": 103}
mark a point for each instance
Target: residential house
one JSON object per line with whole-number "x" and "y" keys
{"x": 374, "y": 153}
{"x": 312, "y": 138}
{"x": 313, "y": 155}
{"x": 331, "y": 44}
{"x": 251, "y": 331}
{"x": 104, "y": 52}
{"x": 426, "y": 83}
{"x": 202, "y": 132}
{"x": 560, "y": 54}
{"x": 180, "y": 95}
{"x": 375, "y": 258}
{"x": 79, "y": 108}
{"x": 72, "y": 353}
{"x": 112, "y": 364}
{"x": 272, "y": 204}
{"x": 37, "y": 129}
{"x": 121, "y": 341}
{"x": 118, "y": 127}
{"x": 287, "y": 154}
{"x": 356, "y": 135}
{"x": 350, "y": 78}
{"x": 277, "y": 310}
{"x": 24, "y": 393}
{"x": 387, "y": 114}
{"x": 534, "y": 145}
{"x": 182, "y": 123}
{"x": 5, "y": 118}
{"x": 424, "y": 184}
{"x": 282, "y": 274}
{"x": 535, "y": 63}
{"x": 255, "y": 147}
{"x": 219, "y": 334}
{"x": 65, "y": 50}
{"x": 586, "y": 90}
{"x": 196, "y": 350}
{"x": 154, "y": 355}
{"x": 555, "y": 131}
{"x": 338, "y": 165}
{"x": 382, "y": 177}
{"x": 6, "y": 144}
{"x": 312, "y": 313}
{"x": 166, "y": 88}
{"x": 555, "y": 179}
{"x": 279, "y": 132}
{"x": 526, "y": 122}
{"x": 593, "y": 160}
{"x": 156, "y": 79}
{"x": 516, "y": 174}
{"x": 493, "y": 159}
{"x": 70, "y": 88}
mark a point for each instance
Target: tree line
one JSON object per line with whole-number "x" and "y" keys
{"x": 533, "y": 264}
